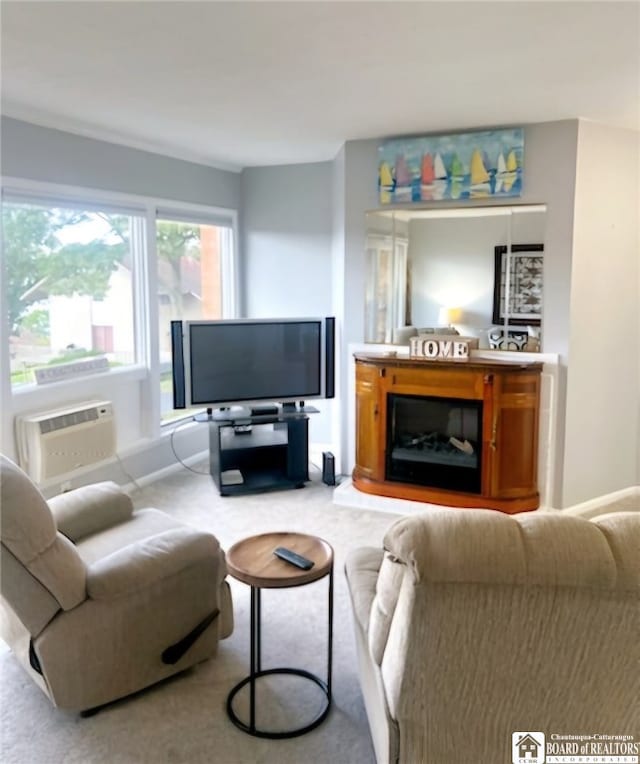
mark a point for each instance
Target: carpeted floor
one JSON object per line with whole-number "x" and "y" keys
{"x": 184, "y": 719}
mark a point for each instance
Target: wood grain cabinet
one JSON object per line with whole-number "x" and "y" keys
{"x": 457, "y": 433}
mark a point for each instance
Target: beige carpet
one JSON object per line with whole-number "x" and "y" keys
{"x": 184, "y": 719}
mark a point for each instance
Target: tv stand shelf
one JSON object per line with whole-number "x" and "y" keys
{"x": 272, "y": 455}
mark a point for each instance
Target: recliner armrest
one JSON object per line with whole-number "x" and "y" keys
{"x": 90, "y": 509}
{"x": 144, "y": 563}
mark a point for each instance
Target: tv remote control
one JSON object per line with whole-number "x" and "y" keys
{"x": 295, "y": 559}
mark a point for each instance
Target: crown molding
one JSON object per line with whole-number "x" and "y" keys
{"x": 47, "y": 119}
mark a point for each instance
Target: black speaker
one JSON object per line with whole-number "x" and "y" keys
{"x": 328, "y": 468}
{"x": 330, "y": 357}
{"x": 177, "y": 365}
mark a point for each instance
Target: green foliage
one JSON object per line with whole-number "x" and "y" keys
{"x": 37, "y": 322}
{"x": 39, "y": 264}
{"x": 22, "y": 377}
{"x": 175, "y": 240}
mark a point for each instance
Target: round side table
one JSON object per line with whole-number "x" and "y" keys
{"x": 253, "y": 562}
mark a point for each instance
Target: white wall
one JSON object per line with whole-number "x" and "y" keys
{"x": 71, "y": 319}
{"x": 602, "y": 453}
{"x": 338, "y": 293}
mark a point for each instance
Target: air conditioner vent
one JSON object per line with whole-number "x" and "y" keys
{"x": 54, "y": 443}
{"x": 68, "y": 420}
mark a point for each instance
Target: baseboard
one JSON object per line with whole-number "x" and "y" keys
{"x": 595, "y": 506}
{"x": 346, "y": 495}
{"x": 152, "y": 477}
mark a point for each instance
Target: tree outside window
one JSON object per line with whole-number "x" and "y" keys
{"x": 67, "y": 271}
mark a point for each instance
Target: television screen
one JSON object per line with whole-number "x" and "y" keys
{"x": 238, "y": 361}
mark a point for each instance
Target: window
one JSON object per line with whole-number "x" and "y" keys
{"x": 193, "y": 264}
{"x": 94, "y": 275}
{"x": 69, "y": 285}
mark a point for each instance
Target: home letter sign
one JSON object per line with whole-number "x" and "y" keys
{"x": 434, "y": 347}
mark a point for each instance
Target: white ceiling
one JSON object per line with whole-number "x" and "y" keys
{"x": 237, "y": 84}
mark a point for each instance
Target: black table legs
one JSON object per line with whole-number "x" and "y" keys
{"x": 256, "y": 672}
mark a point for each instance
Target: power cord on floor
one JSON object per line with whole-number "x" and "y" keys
{"x": 171, "y": 436}
{"x": 137, "y": 486}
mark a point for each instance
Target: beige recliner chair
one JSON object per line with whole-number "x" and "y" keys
{"x": 98, "y": 601}
{"x": 472, "y": 625}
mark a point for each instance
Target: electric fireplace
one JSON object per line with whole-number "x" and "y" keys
{"x": 456, "y": 433}
{"x": 434, "y": 442}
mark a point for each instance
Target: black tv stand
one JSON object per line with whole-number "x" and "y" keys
{"x": 274, "y": 455}
{"x": 264, "y": 410}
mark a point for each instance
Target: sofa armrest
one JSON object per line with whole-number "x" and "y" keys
{"x": 146, "y": 562}
{"x": 90, "y": 508}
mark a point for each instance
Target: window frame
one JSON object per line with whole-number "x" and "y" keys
{"x": 195, "y": 214}
{"x": 146, "y": 364}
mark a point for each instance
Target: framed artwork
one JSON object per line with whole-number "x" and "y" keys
{"x": 481, "y": 164}
{"x": 524, "y": 305}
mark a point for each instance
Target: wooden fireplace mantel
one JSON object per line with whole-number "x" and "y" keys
{"x": 510, "y": 396}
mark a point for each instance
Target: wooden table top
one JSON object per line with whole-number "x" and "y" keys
{"x": 252, "y": 560}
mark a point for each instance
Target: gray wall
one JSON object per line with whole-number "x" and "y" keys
{"x": 54, "y": 156}
{"x": 452, "y": 264}
{"x": 286, "y": 252}
{"x": 37, "y": 153}
{"x": 303, "y": 242}
{"x": 550, "y": 166}
{"x": 286, "y": 241}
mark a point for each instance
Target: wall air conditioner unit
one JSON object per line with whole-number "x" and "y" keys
{"x": 53, "y": 443}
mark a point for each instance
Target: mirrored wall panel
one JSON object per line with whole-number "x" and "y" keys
{"x": 475, "y": 272}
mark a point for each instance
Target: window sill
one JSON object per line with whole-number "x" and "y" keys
{"x": 118, "y": 375}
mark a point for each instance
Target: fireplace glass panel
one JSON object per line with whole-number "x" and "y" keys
{"x": 434, "y": 442}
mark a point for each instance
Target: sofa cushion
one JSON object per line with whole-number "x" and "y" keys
{"x": 90, "y": 509}
{"x": 384, "y": 605}
{"x": 28, "y": 527}
{"x": 148, "y": 561}
{"x": 566, "y": 551}
{"x": 29, "y": 532}
{"x": 60, "y": 569}
{"x": 34, "y": 605}
{"x": 622, "y": 532}
{"x": 486, "y": 546}
{"x": 142, "y": 525}
{"x": 362, "y": 567}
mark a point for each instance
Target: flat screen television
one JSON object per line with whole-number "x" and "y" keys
{"x": 243, "y": 361}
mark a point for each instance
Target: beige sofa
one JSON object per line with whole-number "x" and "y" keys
{"x": 98, "y": 601}
{"x": 472, "y": 625}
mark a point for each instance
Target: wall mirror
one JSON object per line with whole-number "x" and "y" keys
{"x": 475, "y": 271}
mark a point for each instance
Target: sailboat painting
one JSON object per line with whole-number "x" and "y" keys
{"x": 475, "y": 165}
